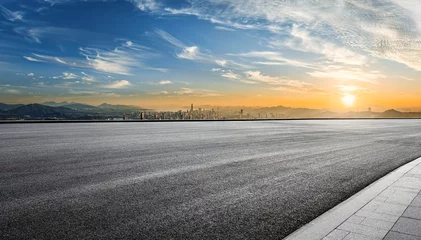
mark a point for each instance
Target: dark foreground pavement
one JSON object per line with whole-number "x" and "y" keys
{"x": 189, "y": 180}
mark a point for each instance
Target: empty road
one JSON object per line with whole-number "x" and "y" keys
{"x": 189, "y": 180}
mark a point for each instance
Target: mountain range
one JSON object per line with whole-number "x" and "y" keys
{"x": 80, "y": 111}
{"x": 65, "y": 110}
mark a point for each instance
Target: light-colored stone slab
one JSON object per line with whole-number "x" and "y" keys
{"x": 363, "y": 230}
{"x": 355, "y": 219}
{"x": 380, "y": 204}
{"x": 356, "y": 236}
{"x": 379, "y": 216}
{"x": 392, "y": 209}
{"x": 413, "y": 212}
{"x": 400, "y": 236}
{"x": 377, "y": 223}
{"x": 336, "y": 235}
{"x": 408, "y": 226}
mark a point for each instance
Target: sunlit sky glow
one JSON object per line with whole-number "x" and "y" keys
{"x": 168, "y": 54}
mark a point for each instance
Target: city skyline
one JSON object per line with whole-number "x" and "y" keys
{"x": 341, "y": 55}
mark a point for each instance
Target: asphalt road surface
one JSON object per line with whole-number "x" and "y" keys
{"x": 189, "y": 180}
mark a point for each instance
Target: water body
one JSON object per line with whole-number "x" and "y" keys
{"x": 189, "y": 180}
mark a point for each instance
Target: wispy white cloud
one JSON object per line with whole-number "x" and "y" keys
{"x": 352, "y": 31}
{"x": 302, "y": 40}
{"x": 67, "y": 75}
{"x": 117, "y": 84}
{"x": 52, "y": 58}
{"x": 165, "y": 82}
{"x": 355, "y": 74}
{"x": 11, "y": 15}
{"x": 87, "y": 77}
{"x": 123, "y": 60}
{"x": 146, "y": 5}
{"x": 32, "y": 59}
{"x": 224, "y": 29}
{"x": 13, "y": 91}
{"x": 283, "y": 84}
{"x": 30, "y": 74}
{"x": 273, "y": 58}
{"x": 197, "y": 92}
{"x": 187, "y": 52}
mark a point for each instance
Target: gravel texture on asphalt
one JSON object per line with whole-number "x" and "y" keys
{"x": 189, "y": 180}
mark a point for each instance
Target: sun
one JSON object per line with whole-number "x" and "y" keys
{"x": 348, "y": 100}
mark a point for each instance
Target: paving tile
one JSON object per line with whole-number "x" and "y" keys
{"x": 404, "y": 199}
{"x": 380, "y": 199}
{"x": 400, "y": 236}
{"x": 380, "y": 216}
{"x": 413, "y": 212}
{"x": 377, "y": 223}
{"x": 392, "y": 209}
{"x": 336, "y": 235}
{"x": 355, "y": 219}
{"x": 403, "y": 189}
{"x": 408, "y": 226}
{"x": 372, "y": 206}
{"x": 364, "y": 230}
{"x": 356, "y": 236}
{"x": 417, "y": 201}
{"x": 408, "y": 182}
{"x": 413, "y": 175}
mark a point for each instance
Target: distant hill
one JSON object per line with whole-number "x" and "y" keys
{"x": 81, "y": 107}
{"x": 40, "y": 111}
{"x": 56, "y": 104}
{"x": 5, "y": 107}
{"x": 117, "y": 107}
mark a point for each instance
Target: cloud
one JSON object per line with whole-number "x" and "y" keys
{"x": 32, "y": 59}
{"x": 197, "y": 92}
{"x": 32, "y": 35}
{"x": 230, "y": 75}
{"x": 191, "y": 53}
{"x": 13, "y": 91}
{"x": 30, "y": 74}
{"x": 67, "y": 75}
{"x": 122, "y": 60}
{"x": 302, "y": 40}
{"x": 87, "y": 77}
{"x": 343, "y": 31}
{"x": 10, "y": 15}
{"x": 146, "y": 5}
{"x": 165, "y": 82}
{"x": 117, "y": 84}
{"x": 51, "y": 58}
{"x": 187, "y": 52}
{"x": 224, "y": 29}
{"x": 283, "y": 84}
{"x": 356, "y": 74}
{"x": 274, "y": 58}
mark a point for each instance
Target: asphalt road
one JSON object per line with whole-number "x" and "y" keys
{"x": 189, "y": 180}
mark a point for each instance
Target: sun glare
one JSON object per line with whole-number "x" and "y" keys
{"x": 348, "y": 100}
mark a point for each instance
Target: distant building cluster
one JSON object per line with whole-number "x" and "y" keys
{"x": 190, "y": 114}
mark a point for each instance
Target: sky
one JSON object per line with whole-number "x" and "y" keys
{"x": 165, "y": 54}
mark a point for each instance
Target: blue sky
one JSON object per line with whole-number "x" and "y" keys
{"x": 228, "y": 52}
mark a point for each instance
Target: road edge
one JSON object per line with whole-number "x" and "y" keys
{"x": 327, "y": 222}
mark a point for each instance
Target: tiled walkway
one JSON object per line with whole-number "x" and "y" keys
{"x": 393, "y": 212}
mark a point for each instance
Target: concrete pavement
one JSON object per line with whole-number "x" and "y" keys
{"x": 388, "y": 209}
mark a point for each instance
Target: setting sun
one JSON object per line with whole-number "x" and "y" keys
{"x": 348, "y": 100}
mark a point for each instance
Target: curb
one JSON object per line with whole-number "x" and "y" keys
{"x": 327, "y": 222}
